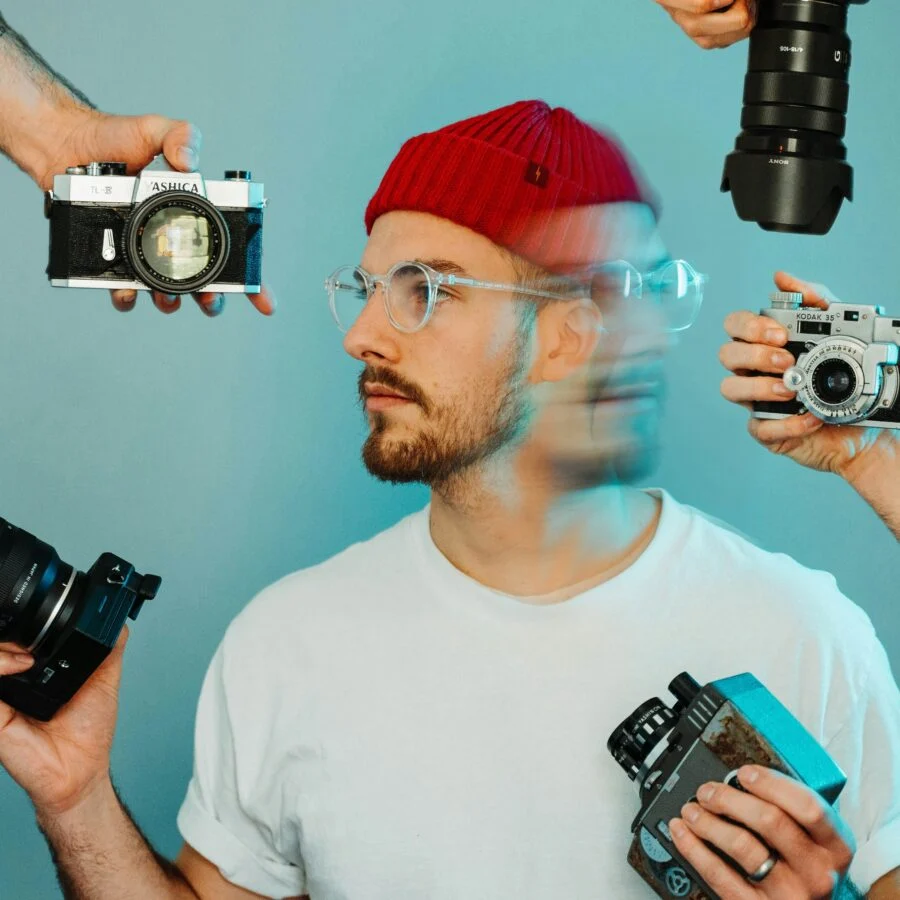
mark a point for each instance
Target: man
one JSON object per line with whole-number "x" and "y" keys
{"x": 46, "y": 125}
{"x": 425, "y": 714}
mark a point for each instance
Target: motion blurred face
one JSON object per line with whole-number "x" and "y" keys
{"x": 487, "y": 380}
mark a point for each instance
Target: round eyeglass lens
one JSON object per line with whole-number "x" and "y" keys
{"x": 348, "y": 296}
{"x": 680, "y": 294}
{"x": 176, "y": 243}
{"x": 613, "y": 283}
{"x": 408, "y": 294}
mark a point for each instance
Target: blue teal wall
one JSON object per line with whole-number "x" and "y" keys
{"x": 222, "y": 454}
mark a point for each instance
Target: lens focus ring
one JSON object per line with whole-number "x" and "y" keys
{"x": 804, "y": 118}
{"x": 13, "y": 565}
{"x": 798, "y": 89}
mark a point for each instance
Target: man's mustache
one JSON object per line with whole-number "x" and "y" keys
{"x": 390, "y": 379}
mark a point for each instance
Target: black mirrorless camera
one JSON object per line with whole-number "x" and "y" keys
{"x": 846, "y": 370}
{"x": 707, "y": 735}
{"x": 68, "y": 620}
{"x": 160, "y": 230}
{"x": 789, "y": 170}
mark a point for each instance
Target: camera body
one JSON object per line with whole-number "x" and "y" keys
{"x": 68, "y": 620}
{"x": 847, "y": 363}
{"x": 159, "y": 230}
{"x": 707, "y": 735}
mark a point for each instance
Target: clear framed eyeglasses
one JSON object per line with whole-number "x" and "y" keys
{"x": 676, "y": 287}
{"x": 411, "y": 292}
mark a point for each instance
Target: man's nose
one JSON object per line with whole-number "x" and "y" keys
{"x": 371, "y": 334}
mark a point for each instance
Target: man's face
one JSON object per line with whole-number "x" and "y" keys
{"x": 445, "y": 398}
{"x": 462, "y": 390}
{"x": 602, "y": 424}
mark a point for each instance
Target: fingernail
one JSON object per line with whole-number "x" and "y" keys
{"x": 781, "y": 388}
{"x": 775, "y": 336}
{"x": 676, "y": 827}
{"x": 748, "y": 775}
{"x": 780, "y": 358}
{"x": 690, "y": 812}
{"x": 23, "y": 659}
{"x": 188, "y": 157}
{"x": 169, "y": 299}
{"x": 705, "y": 792}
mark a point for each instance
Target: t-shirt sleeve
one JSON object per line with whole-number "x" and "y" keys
{"x": 867, "y": 748}
{"x": 230, "y": 810}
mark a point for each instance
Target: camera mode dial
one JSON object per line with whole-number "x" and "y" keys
{"x": 786, "y": 300}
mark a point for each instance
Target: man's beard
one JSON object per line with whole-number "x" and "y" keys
{"x": 452, "y": 439}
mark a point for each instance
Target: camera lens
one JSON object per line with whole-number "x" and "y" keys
{"x": 38, "y": 591}
{"x": 833, "y": 382}
{"x": 633, "y": 741}
{"x": 788, "y": 171}
{"x": 177, "y": 242}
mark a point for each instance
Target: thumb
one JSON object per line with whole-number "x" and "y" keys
{"x": 136, "y": 140}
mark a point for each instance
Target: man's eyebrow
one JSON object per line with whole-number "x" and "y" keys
{"x": 447, "y": 266}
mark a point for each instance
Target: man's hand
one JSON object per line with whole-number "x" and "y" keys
{"x": 47, "y": 125}
{"x": 60, "y": 763}
{"x": 841, "y": 449}
{"x": 712, "y": 23}
{"x": 814, "y": 845}
{"x": 87, "y": 135}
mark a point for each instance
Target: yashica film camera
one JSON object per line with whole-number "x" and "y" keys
{"x": 707, "y": 735}
{"x": 847, "y": 363}
{"x": 68, "y": 620}
{"x": 160, "y": 230}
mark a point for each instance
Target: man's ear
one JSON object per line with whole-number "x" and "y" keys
{"x": 567, "y": 335}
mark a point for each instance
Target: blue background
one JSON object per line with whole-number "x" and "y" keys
{"x": 223, "y": 454}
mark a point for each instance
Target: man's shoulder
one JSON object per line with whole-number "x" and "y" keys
{"x": 339, "y": 586}
{"x": 746, "y": 574}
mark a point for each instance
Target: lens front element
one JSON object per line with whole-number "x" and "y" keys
{"x": 177, "y": 242}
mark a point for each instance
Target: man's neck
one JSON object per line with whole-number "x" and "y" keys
{"x": 537, "y": 541}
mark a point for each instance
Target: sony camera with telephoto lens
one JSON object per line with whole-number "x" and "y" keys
{"x": 789, "y": 170}
{"x": 160, "y": 230}
{"x": 846, "y": 370}
{"x": 69, "y": 621}
{"x": 707, "y": 735}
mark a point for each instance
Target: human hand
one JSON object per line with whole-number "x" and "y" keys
{"x": 840, "y": 449}
{"x": 713, "y": 23}
{"x": 61, "y": 762}
{"x": 813, "y": 845}
{"x": 89, "y": 135}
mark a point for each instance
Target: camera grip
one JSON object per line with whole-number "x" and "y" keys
{"x": 782, "y": 407}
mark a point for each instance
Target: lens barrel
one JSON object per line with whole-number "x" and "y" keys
{"x": 788, "y": 171}
{"x": 38, "y": 591}
{"x": 633, "y": 740}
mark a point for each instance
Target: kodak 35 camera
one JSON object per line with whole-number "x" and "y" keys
{"x": 161, "y": 230}
{"x": 846, "y": 370}
{"x": 68, "y": 620}
{"x": 707, "y": 735}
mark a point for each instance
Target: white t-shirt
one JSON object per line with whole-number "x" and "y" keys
{"x": 382, "y": 727}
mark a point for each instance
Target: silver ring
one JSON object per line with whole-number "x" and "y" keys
{"x": 764, "y": 869}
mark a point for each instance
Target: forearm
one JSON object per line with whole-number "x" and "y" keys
{"x": 101, "y": 854}
{"x": 875, "y": 476}
{"x": 36, "y": 104}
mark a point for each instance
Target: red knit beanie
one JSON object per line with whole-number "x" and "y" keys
{"x": 519, "y": 175}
